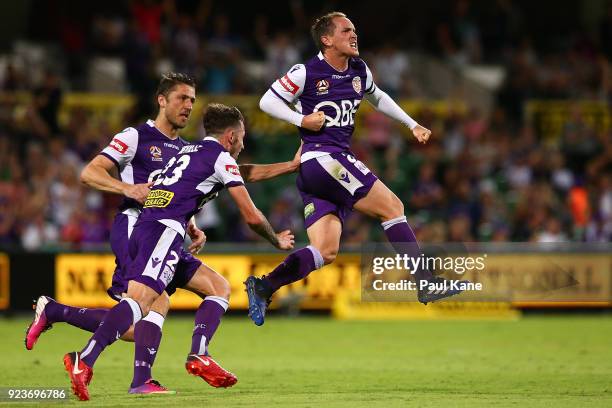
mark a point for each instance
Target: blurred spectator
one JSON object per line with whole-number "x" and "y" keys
{"x": 64, "y": 195}
{"x": 552, "y": 232}
{"x": 392, "y": 67}
{"x": 427, "y": 194}
{"x": 185, "y": 45}
{"x": 281, "y": 55}
{"x": 47, "y": 100}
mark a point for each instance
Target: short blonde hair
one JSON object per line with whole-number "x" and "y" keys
{"x": 324, "y": 25}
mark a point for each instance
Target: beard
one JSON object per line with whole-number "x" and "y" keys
{"x": 175, "y": 124}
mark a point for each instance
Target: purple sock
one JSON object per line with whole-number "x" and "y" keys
{"x": 81, "y": 317}
{"x": 401, "y": 236}
{"x": 116, "y": 322}
{"x": 147, "y": 336}
{"x": 294, "y": 268}
{"x": 207, "y": 319}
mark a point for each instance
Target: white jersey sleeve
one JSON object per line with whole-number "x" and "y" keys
{"x": 227, "y": 171}
{"x": 290, "y": 86}
{"x": 370, "y": 86}
{"x": 122, "y": 148}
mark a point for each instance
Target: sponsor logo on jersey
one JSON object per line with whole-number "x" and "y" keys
{"x": 288, "y": 85}
{"x": 158, "y": 199}
{"x": 357, "y": 84}
{"x": 342, "y": 114}
{"x": 340, "y": 76}
{"x": 118, "y": 145}
{"x": 171, "y": 146}
{"x": 322, "y": 87}
{"x": 156, "y": 153}
{"x": 308, "y": 210}
{"x": 189, "y": 149}
{"x": 232, "y": 169}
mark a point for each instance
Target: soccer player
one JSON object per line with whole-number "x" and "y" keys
{"x": 140, "y": 153}
{"x": 190, "y": 179}
{"x": 326, "y": 92}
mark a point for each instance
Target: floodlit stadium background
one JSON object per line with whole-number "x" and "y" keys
{"x": 516, "y": 94}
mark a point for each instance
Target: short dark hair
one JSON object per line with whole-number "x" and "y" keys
{"x": 324, "y": 25}
{"x": 219, "y": 117}
{"x": 170, "y": 80}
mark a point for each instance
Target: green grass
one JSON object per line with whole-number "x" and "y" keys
{"x": 312, "y": 362}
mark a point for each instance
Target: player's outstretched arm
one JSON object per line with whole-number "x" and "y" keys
{"x": 97, "y": 174}
{"x": 258, "y": 172}
{"x": 385, "y": 104}
{"x": 257, "y": 221}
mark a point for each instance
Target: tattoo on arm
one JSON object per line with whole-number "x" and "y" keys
{"x": 265, "y": 230}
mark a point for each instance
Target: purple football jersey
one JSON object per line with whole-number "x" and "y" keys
{"x": 190, "y": 179}
{"x": 140, "y": 154}
{"x": 317, "y": 86}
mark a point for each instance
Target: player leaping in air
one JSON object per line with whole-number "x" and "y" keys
{"x": 326, "y": 93}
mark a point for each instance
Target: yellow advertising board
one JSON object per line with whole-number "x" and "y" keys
{"x": 549, "y": 117}
{"x": 5, "y": 283}
{"x": 529, "y": 279}
{"x": 82, "y": 280}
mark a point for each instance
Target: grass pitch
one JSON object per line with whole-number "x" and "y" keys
{"x": 319, "y": 362}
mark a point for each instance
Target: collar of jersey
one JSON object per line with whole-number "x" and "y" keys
{"x": 322, "y": 58}
{"x": 214, "y": 139}
{"x": 151, "y": 123}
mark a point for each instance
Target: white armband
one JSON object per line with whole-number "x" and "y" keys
{"x": 276, "y": 107}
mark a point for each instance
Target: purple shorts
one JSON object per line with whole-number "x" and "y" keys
{"x": 332, "y": 184}
{"x": 121, "y": 243}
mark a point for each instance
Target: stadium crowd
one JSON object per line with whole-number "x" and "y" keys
{"x": 482, "y": 177}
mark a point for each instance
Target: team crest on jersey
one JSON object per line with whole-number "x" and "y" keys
{"x": 322, "y": 87}
{"x": 118, "y": 145}
{"x": 232, "y": 169}
{"x": 156, "y": 154}
{"x": 357, "y": 84}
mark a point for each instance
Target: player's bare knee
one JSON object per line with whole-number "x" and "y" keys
{"x": 145, "y": 307}
{"x": 329, "y": 255}
{"x": 394, "y": 209}
{"x": 143, "y": 302}
{"x": 161, "y": 304}
{"x": 222, "y": 287}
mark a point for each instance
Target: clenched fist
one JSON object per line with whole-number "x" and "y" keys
{"x": 314, "y": 121}
{"x": 421, "y": 133}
